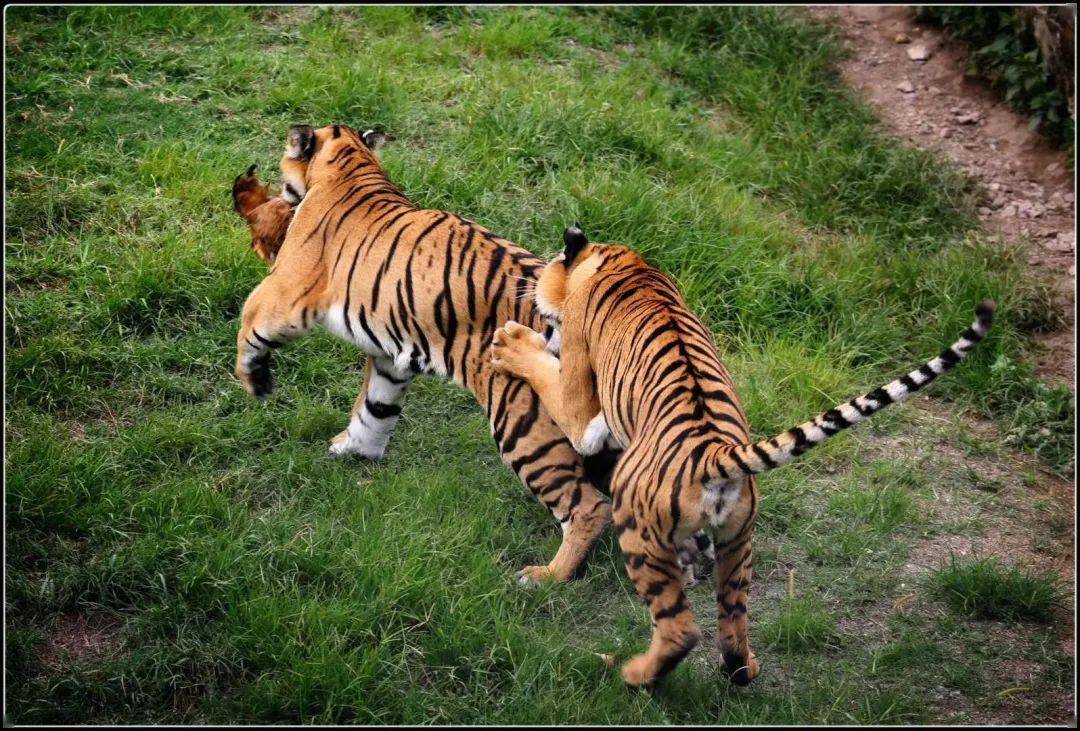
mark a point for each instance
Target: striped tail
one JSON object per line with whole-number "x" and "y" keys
{"x": 749, "y": 459}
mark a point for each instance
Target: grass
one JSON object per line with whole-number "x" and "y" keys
{"x": 245, "y": 577}
{"x": 985, "y": 588}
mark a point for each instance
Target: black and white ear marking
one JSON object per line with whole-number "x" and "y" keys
{"x": 575, "y": 240}
{"x": 300, "y": 144}
{"x": 374, "y": 140}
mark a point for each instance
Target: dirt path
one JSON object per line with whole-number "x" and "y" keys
{"x": 1028, "y": 189}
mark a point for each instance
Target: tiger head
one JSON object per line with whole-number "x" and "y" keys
{"x": 304, "y": 142}
{"x": 571, "y": 270}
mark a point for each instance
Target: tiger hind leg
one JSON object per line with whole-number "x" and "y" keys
{"x": 536, "y": 450}
{"x": 657, "y": 576}
{"x": 732, "y": 575}
{"x": 375, "y": 412}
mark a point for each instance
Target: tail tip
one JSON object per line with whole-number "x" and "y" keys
{"x": 251, "y": 170}
{"x": 985, "y": 312}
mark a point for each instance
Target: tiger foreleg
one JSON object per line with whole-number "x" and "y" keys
{"x": 375, "y": 412}
{"x": 266, "y": 325}
{"x": 565, "y": 384}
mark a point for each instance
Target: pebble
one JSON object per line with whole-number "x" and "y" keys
{"x": 1008, "y": 211}
{"x": 902, "y": 38}
{"x": 906, "y": 86}
{"x": 945, "y": 133}
{"x": 968, "y": 118}
{"x": 918, "y": 52}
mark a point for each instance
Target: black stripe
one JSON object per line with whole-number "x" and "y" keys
{"x": 380, "y": 410}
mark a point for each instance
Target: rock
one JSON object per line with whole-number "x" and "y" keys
{"x": 918, "y": 52}
{"x": 994, "y": 186}
{"x": 906, "y": 86}
{"x": 902, "y": 38}
{"x": 1008, "y": 211}
{"x": 998, "y": 201}
{"x": 934, "y": 90}
{"x": 945, "y": 133}
{"x": 984, "y": 211}
{"x": 1068, "y": 198}
{"x": 1064, "y": 242}
{"x": 971, "y": 118}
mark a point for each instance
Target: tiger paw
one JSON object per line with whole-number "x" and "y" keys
{"x": 514, "y": 348}
{"x": 343, "y": 446}
{"x": 536, "y": 575}
{"x": 740, "y": 671}
{"x": 637, "y": 672}
{"x": 256, "y": 377}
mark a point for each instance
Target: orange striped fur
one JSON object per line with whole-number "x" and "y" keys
{"x": 638, "y": 371}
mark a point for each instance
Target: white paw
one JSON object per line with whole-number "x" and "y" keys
{"x": 346, "y": 448}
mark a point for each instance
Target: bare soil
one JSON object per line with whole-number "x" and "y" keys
{"x": 1028, "y": 190}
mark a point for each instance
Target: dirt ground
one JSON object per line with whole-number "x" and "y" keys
{"x": 1028, "y": 189}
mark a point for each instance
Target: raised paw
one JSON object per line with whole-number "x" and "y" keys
{"x": 256, "y": 377}
{"x": 513, "y": 348}
{"x": 637, "y": 672}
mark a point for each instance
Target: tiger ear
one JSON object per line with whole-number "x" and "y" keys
{"x": 575, "y": 240}
{"x": 300, "y": 144}
{"x": 374, "y": 139}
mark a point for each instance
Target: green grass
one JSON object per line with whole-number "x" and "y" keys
{"x": 248, "y": 578}
{"x": 985, "y": 588}
{"x": 801, "y": 626}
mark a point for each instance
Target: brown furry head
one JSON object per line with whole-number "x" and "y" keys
{"x": 268, "y": 217}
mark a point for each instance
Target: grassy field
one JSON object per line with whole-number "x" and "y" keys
{"x": 177, "y": 551}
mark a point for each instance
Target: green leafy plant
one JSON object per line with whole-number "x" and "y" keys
{"x": 1005, "y": 53}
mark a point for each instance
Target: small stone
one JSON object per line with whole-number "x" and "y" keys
{"x": 1008, "y": 211}
{"x": 994, "y": 186}
{"x": 984, "y": 211}
{"x": 998, "y": 201}
{"x": 945, "y": 133}
{"x": 1068, "y": 198}
{"x": 933, "y": 90}
{"x": 968, "y": 118}
{"x": 902, "y": 38}
{"x": 906, "y": 86}
{"x": 918, "y": 52}
{"x": 1063, "y": 242}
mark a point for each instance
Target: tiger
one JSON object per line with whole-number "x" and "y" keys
{"x": 637, "y": 368}
{"x": 421, "y": 293}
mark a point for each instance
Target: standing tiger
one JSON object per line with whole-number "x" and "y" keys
{"x": 637, "y": 368}
{"x": 421, "y": 292}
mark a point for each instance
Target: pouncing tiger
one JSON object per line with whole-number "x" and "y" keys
{"x": 421, "y": 292}
{"x": 637, "y": 368}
